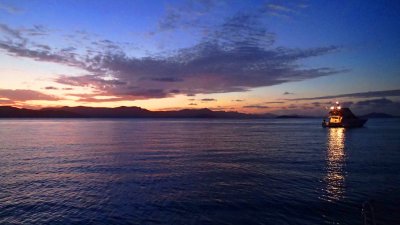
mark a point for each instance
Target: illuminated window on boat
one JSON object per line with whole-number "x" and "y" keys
{"x": 335, "y": 119}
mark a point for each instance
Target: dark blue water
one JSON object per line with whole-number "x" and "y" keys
{"x": 197, "y": 172}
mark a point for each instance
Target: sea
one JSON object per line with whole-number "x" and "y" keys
{"x": 198, "y": 171}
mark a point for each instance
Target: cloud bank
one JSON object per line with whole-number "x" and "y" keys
{"x": 369, "y": 94}
{"x": 25, "y": 95}
{"x": 235, "y": 56}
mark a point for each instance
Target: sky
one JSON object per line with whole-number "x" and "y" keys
{"x": 283, "y": 57}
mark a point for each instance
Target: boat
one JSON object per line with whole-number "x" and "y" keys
{"x": 342, "y": 117}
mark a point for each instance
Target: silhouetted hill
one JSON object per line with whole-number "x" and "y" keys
{"x": 12, "y": 112}
{"x": 378, "y": 115}
{"x": 293, "y": 117}
{"x": 137, "y": 112}
{"x": 268, "y": 115}
{"x": 119, "y": 112}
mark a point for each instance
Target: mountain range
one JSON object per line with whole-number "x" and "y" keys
{"x": 119, "y": 112}
{"x": 137, "y": 112}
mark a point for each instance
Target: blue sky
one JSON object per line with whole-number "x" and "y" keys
{"x": 181, "y": 54}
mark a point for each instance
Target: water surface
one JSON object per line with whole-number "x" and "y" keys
{"x": 188, "y": 171}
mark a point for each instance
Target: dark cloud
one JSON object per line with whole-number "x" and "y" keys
{"x": 256, "y": 106}
{"x": 36, "y": 30}
{"x": 369, "y": 94}
{"x": 208, "y": 99}
{"x": 25, "y": 95}
{"x": 375, "y": 102}
{"x": 346, "y": 104}
{"x": 306, "y": 107}
{"x": 192, "y": 104}
{"x": 19, "y": 37}
{"x": 273, "y": 102}
{"x": 175, "y": 91}
{"x": 50, "y": 88}
{"x": 13, "y": 34}
{"x": 377, "y": 105}
{"x": 329, "y": 103}
{"x": 288, "y": 93}
{"x": 316, "y": 104}
{"x": 167, "y": 79}
{"x": 92, "y": 99}
{"x": 237, "y": 100}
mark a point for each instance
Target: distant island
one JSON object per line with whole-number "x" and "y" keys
{"x": 137, "y": 112}
{"x": 119, "y": 112}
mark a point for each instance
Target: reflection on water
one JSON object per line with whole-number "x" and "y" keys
{"x": 335, "y": 163}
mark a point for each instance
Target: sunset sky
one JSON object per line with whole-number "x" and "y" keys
{"x": 248, "y": 56}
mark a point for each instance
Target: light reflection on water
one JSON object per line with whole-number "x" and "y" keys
{"x": 335, "y": 177}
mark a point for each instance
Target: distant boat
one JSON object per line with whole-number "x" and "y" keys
{"x": 342, "y": 117}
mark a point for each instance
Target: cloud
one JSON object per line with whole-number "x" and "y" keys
{"x": 170, "y": 21}
{"x": 377, "y": 105}
{"x": 256, "y": 106}
{"x": 50, "y": 88}
{"x": 97, "y": 100}
{"x": 237, "y": 100}
{"x": 192, "y": 104}
{"x": 10, "y": 9}
{"x": 6, "y": 102}
{"x": 167, "y": 79}
{"x": 236, "y": 56}
{"x": 369, "y": 94}
{"x": 36, "y": 30}
{"x": 20, "y": 36}
{"x": 279, "y": 8}
{"x": 273, "y": 102}
{"x": 187, "y": 15}
{"x": 375, "y": 102}
{"x": 25, "y": 95}
{"x": 208, "y": 100}
{"x": 88, "y": 80}
{"x": 288, "y": 93}
{"x": 285, "y": 11}
{"x": 13, "y": 34}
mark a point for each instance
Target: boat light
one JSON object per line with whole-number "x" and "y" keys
{"x": 339, "y": 107}
{"x": 332, "y": 107}
{"x": 337, "y": 103}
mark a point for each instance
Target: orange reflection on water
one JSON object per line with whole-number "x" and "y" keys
{"x": 335, "y": 163}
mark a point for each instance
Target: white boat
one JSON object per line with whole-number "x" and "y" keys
{"x": 342, "y": 117}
